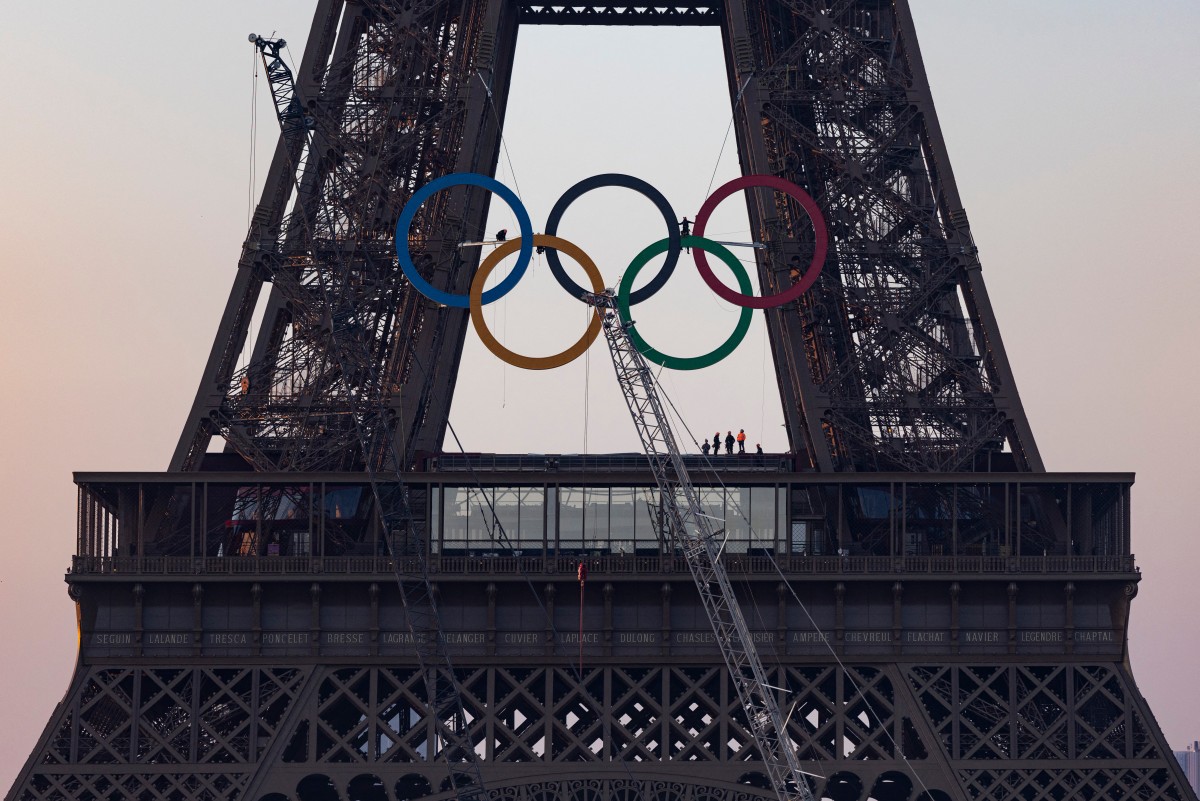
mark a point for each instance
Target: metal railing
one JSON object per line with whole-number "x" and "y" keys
{"x": 613, "y": 565}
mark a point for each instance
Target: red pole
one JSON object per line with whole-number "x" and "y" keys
{"x": 582, "y": 574}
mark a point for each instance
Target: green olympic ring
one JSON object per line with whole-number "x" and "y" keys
{"x": 685, "y": 362}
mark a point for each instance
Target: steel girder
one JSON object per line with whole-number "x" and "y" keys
{"x": 396, "y": 97}
{"x": 184, "y": 729}
{"x": 894, "y": 360}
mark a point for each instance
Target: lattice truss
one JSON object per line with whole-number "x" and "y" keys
{"x": 200, "y": 729}
{"x": 1081, "y": 721}
{"x": 897, "y": 350}
{"x": 207, "y": 729}
{"x": 635, "y": 714}
{"x": 1004, "y": 731}
{"x": 388, "y": 116}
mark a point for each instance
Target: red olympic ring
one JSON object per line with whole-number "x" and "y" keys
{"x": 821, "y": 241}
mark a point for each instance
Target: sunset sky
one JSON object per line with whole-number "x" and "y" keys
{"x": 126, "y": 134}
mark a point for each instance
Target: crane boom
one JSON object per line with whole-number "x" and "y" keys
{"x": 695, "y": 535}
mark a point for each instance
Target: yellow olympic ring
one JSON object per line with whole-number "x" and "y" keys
{"x": 534, "y": 362}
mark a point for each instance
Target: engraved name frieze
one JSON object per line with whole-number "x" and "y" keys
{"x": 981, "y": 637}
{"x": 1094, "y": 636}
{"x": 227, "y": 638}
{"x": 869, "y": 636}
{"x": 168, "y": 638}
{"x": 285, "y": 638}
{"x": 708, "y": 638}
{"x": 112, "y": 639}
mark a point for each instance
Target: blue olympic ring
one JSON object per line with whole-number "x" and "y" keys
{"x": 404, "y": 225}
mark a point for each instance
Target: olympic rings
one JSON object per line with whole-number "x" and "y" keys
{"x": 404, "y": 225}
{"x": 534, "y": 362}
{"x": 627, "y": 182}
{"x": 821, "y": 241}
{"x": 693, "y": 362}
{"x": 476, "y": 299}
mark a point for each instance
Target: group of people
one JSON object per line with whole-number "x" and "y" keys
{"x": 715, "y": 446}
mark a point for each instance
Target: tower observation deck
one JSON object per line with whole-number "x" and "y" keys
{"x": 940, "y": 617}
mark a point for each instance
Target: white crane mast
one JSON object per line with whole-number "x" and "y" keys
{"x": 696, "y": 537}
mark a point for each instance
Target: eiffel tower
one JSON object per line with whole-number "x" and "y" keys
{"x": 941, "y": 618}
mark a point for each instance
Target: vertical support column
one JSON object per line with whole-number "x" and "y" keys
{"x": 424, "y": 404}
{"x": 373, "y": 596}
{"x": 1012, "y": 617}
{"x": 781, "y": 628}
{"x": 897, "y": 615}
{"x": 802, "y": 402}
{"x": 314, "y": 624}
{"x": 256, "y": 617}
{"x": 548, "y": 645}
{"x": 608, "y": 618}
{"x": 955, "y": 591}
{"x": 248, "y": 281}
{"x": 1005, "y": 395}
{"x": 665, "y": 593}
{"x": 197, "y": 619}
{"x": 1069, "y": 600}
{"x": 138, "y": 595}
{"x": 491, "y": 618}
{"x": 839, "y": 626}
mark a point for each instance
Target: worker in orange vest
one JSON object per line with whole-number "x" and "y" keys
{"x": 741, "y": 440}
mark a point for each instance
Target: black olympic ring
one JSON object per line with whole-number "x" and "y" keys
{"x": 627, "y": 182}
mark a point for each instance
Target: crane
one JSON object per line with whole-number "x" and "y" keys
{"x": 694, "y": 534}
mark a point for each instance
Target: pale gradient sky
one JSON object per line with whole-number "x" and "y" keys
{"x": 1072, "y": 127}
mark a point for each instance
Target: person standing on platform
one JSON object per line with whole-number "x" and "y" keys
{"x": 741, "y": 441}
{"x": 704, "y": 447}
{"x": 729, "y": 443}
{"x": 758, "y": 448}
{"x": 717, "y": 444}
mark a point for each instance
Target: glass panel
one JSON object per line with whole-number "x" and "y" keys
{"x": 623, "y": 520}
{"x": 508, "y": 515}
{"x": 646, "y": 528}
{"x": 346, "y": 511}
{"x": 480, "y": 538}
{"x": 570, "y": 519}
{"x": 712, "y": 502}
{"x": 928, "y": 527}
{"x": 595, "y": 519}
{"x": 737, "y": 523}
{"x": 533, "y": 508}
{"x": 463, "y": 522}
{"x": 868, "y": 511}
{"x": 1044, "y": 520}
{"x": 980, "y": 519}
{"x": 762, "y": 518}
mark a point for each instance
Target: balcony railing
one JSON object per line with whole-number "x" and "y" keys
{"x": 598, "y": 566}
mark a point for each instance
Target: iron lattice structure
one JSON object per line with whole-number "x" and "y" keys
{"x": 892, "y": 362}
{"x": 263, "y": 732}
{"x": 212, "y": 667}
